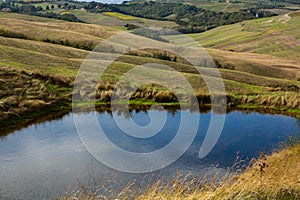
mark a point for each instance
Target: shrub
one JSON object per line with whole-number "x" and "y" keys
{"x": 12, "y": 34}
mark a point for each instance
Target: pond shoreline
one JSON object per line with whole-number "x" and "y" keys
{"x": 57, "y": 110}
{"x": 28, "y": 96}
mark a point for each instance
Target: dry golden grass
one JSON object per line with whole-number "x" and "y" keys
{"x": 76, "y": 33}
{"x": 44, "y": 48}
{"x": 23, "y": 24}
{"x": 280, "y": 179}
{"x": 22, "y": 92}
{"x": 270, "y": 177}
{"x": 119, "y": 15}
{"x": 266, "y": 65}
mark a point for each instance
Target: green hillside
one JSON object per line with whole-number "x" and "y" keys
{"x": 119, "y": 20}
{"x": 233, "y": 6}
{"x": 277, "y": 36}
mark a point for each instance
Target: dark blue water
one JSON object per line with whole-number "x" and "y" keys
{"x": 42, "y": 160}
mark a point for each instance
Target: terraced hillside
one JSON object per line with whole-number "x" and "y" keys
{"x": 44, "y": 56}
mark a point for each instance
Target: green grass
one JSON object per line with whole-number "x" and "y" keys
{"x": 44, "y": 5}
{"x": 39, "y": 62}
{"x": 98, "y": 18}
{"x": 233, "y": 6}
{"x": 257, "y": 36}
{"x": 118, "y": 20}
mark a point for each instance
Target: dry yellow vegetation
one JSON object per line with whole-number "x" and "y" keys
{"x": 271, "y": 177}
{"x": 275, "y": 177}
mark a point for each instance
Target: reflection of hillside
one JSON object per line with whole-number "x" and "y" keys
{"x": 4, "y": 131}
{"x": 127, "y": 110}
{"x": 123, "y": 109}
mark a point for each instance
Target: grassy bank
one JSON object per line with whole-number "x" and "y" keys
{"x": 27, "y": 96}
{"x": 273, "y": 176}
{"x": 270, "y": 177}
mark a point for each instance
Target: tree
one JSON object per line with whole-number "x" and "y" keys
{"x": 47, "y": 7}
{"x": 52, "y": 6}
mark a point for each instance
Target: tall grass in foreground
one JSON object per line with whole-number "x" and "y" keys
{"x": 269, "y": 177}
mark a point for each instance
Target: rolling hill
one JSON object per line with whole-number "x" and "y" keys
{"x": 44, "y": 56}
{"x": 277, "y": 36}
{"x": 233, "y": 6}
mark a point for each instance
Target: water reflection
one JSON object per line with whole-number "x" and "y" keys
{"x": 18, "y": 125}
{"x": 123, "y": 109}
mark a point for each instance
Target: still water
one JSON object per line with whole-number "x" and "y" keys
{"x": 44, "y": 160}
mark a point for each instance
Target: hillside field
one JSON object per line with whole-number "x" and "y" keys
{"x": 277, "y": 36}
{"x": 53, "y": 48}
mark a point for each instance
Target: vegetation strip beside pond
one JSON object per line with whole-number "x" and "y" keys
{"x": 273, "y": 176}
{"x": 45, "y": 95}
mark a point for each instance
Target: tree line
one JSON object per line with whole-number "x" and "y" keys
{"x": 36, "y": 10}
{"x": 190, "y": 18}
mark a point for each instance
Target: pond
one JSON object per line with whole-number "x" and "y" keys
{"x": 44, "y": 160}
